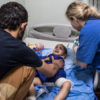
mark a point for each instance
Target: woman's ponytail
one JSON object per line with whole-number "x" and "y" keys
{"x": 81, "y": 11}
{"x": 90, "y": 11}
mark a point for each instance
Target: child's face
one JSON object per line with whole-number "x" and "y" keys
{"x": 59, "y": 50}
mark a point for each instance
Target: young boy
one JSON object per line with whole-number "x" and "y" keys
{"x": 59, "y": 52}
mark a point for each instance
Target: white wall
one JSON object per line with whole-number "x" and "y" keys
{"x": 86, "y": 1}
{"x": 21, "y": 2}
{"x": 44, "y": 11}
{"x": 47, "y": 11}
{"x": 5, "y": 1}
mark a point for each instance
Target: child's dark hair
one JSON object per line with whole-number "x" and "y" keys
{"x": 65, "y": 50}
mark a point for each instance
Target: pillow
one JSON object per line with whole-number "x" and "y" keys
{"x": 70, "y": 59}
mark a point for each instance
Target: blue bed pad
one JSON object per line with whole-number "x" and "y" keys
{"x": 81, "y": 77}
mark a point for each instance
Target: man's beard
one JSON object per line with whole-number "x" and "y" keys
{"x": 21, "y": 34}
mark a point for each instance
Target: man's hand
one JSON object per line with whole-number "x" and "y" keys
{"x": 58, "y": 62}
{"x": 48, "y": 70}
{"x": 51, "y": 69}
{"x": 46, "y": 59}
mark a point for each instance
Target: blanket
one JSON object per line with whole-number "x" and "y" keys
{"x": 81, "y": 77}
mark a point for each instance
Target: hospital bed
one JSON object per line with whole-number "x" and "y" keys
{"x": 55, "y": 32}
{"x": 82, "y": 78}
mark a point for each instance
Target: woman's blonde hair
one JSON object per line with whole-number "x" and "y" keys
{"x": 81, "y": 11}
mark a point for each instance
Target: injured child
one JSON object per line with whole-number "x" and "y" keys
{"x": 59, "y": 52}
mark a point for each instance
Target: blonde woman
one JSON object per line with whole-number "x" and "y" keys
{"x": 86, "y": 19}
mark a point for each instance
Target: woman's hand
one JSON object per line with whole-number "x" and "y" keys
{"x": 75, "y": 49}
{"x": 75, "y": 46}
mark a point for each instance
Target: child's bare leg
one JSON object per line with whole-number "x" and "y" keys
{"x": 36, "y": 81}
{"x": 65, "y": 88}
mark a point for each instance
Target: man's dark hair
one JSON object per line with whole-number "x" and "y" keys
{"x": 12, "y": 14}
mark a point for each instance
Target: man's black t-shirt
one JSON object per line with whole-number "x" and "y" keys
{"x": 14, "y": 52}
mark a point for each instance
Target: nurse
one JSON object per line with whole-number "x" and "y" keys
{"x": 86, "y": 19}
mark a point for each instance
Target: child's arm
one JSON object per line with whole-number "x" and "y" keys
{"x": 65, "y": 88}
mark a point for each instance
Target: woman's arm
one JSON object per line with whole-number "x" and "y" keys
{"x": 81, "y": 64}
